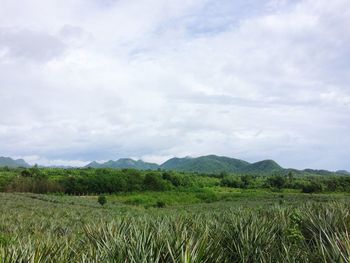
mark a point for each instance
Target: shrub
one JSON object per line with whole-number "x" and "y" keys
{"x": 33, "y": 185}
{"x": 26, "y": 173}
{"x": 102, "y": 200}
{"x": 154, "y": 182}
{"x": 277, "y": 181}
{"x": 160, "y": 204}
{"x": 231, "y": 181}
{"x": 313, "y": 187}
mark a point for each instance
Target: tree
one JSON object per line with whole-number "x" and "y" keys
{"x": 277, "y": 181}
{"x": 26, "y": 173}
{"x": 134, "y": 179}
{"x": 154, "y": 182}
{"x": 312, "y": 187}
{"x": 246, "y": 181}
{"x": 102, "y": 200}
{"x": 290, "y": 177}
{"x": 160, "y": 204}
{"x": 231, "y": 181}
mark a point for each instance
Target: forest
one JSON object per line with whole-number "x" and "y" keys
{"x": 84, "y": 181}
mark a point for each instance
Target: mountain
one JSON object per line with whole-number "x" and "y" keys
{"x": 263, "y": 167}
{"x": 319, "y": 172}
{"x": 343, "y": 172}
{"x": 11, "y": 163}
{"x": 125, "y": 163}
{"x": 209, "y": 164}
{"x": 205, "y": 164}
{"x": 212, "y": 164}
{"x": 93, "y": 164}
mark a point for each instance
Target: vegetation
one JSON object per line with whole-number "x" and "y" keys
{"x": 58, "y": 228}
{"x": 94, "y": 181}
{"x": 9, "y": 162}
{"x": 210, "y": 164}
{"x": 171, "y": 216}
{"x": 102, "y": 200}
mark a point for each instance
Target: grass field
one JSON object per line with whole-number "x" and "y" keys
{"x": 210, "y": 225}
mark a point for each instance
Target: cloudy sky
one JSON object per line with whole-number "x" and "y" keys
{"x": 84, "y": 80}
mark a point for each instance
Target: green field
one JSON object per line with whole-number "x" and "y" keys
{"x": 53, "y": 215}
{"x": 210, "y": 225}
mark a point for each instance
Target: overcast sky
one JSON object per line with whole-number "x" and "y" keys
{"x": 84, "y": 80}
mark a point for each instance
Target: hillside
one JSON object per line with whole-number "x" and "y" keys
{"x": 124, "y": 163}
{"x": 262, "y": 167}
{"x": 343, "y": 172}
{"x": 205, "y": 164}
{"x": 9, "y": 162}
{"x": 209, "y": 164}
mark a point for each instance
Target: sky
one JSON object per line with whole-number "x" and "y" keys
{"x": 85, "y": 80}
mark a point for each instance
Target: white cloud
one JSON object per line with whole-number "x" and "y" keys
{"x": 86, "y": 80}
{"x": 26, "y": 44}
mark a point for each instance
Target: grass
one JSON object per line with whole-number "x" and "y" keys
{"x": 212, "y": 225}
{"x": 219, "y": 194}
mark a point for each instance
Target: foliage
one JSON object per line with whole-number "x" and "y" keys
{"x": 59, "y": 228}
{"x": 160, "y": 204}
{"x": 277, "y": 181}
{"x": 102, "y": 200}
{"x": 312, "y": 187}
{"x": 155, "y": 182}
{"x": 107, "y": 181}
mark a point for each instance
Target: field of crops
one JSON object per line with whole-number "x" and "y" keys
{"x": 49, "y": 228}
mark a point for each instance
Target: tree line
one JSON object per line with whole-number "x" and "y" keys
{"x": 97, "y": 181}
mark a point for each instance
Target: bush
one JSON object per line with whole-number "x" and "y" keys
{"x": 33, "y": 185}
{"x": 178, "y": 180}
{"x": 247, "y": 180}
{"x": 102, "y": 200}
{"x": 160, "y": 204}
{"x": 231, "y": 181}
{"x": 154, "y": 182}
{"x": 26, "y": 173}
{"x": 313, "y": 187}
{"x": 277, "y": 181}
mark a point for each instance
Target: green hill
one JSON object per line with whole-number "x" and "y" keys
{"x": 210, "y": 164}
{"x": 11, "y": 163}
{"x": 262, "y": 167}
{"x": 343, "y": 172}
{"x": 205, "y": 164}
{"x": 125, "y": 163}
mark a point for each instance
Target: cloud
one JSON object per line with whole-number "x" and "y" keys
{"x": 99, "y": 80}
{"x": 31, "y": 45}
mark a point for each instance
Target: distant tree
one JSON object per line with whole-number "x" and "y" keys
{"x": 277, "y": 181}
{"x": 290, "y": 177}
{"x": 134, "y": 179}
{"x": 231, "y": 181}
{"x": 155, "y": 182}
{"x": 102, "y": 200}
{"x": 26, "y": 173}
{"x": 177, "y": 179}
{"x": 160, "y": 204}
{"x": 332, "y": 184}
{"x": 36, "y": 172}
{"x": 246, "y": 180}
{"x": 223, "y": 174}
{"x": 312, "y": 187}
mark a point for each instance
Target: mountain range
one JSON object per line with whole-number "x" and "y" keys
{"x": 203, "y": 164}
{"x": 217, "y": 164}
{"x": 125, "y": 163}
{"x": 11, "y": 163}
